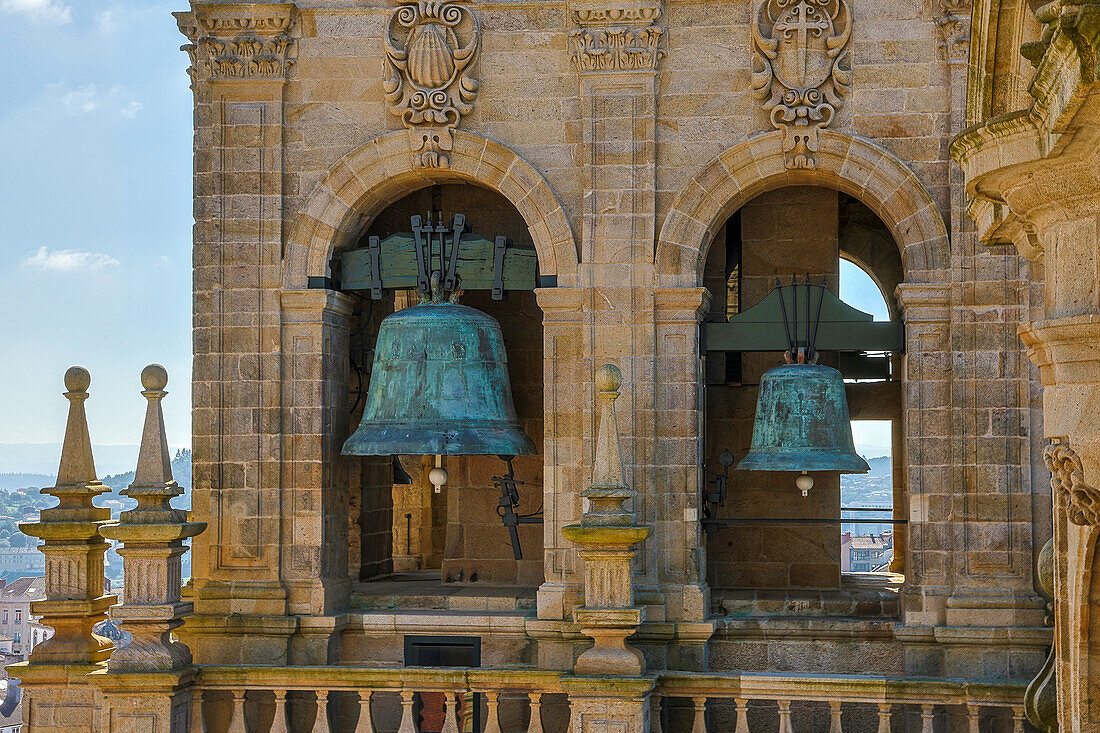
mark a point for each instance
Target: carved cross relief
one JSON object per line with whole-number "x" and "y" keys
{"x": 801, "y": 69}
{"x": 430, "y": 46}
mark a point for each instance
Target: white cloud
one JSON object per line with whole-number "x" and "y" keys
{"x": 49, "y": 11}
{"x": 90, "y": 98}
{"x": 106, "y": 22}
{"x": 67, "y": 260}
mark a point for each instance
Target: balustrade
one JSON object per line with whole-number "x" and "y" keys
{"x": 411, "y": 700}
{"x": 793, "y": 703}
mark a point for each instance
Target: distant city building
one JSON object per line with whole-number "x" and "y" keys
{"x": 865, "y": 553}
{"x": 21, "y": 562}
{"x": 16, "y": 620}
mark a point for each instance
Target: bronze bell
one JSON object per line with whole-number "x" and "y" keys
{"x": 439, "y": 386}
{"x": 802, "y": 423}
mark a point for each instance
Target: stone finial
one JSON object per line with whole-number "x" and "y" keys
{"x": 73, "y": 547}
{"x": 154, "y": 466}
{"x": 606, "y": 537}
{"x": 77, "y": 465}
{"x": 152, "y": 534}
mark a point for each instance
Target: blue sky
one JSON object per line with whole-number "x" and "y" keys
{"x": 95, "y": 197}
{"x": 95, "y": 177}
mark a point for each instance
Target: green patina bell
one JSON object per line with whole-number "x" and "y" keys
{"x": 802, "y": 423}
{"x": 439, "y": 386}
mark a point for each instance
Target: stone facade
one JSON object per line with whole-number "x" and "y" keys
{"x": 666, "y": 160}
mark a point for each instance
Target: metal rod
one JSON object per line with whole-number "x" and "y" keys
{"x": 783, "y": 307}
{"x": 817, "y": 321}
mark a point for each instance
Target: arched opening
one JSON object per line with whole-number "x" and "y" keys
{"x": 410, "y": 540}
{"x": 776, "y": 544}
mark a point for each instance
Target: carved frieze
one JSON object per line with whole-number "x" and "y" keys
{"x": 801, "y": 69}
{"x": 617, "y": 37}
{"x": 227, "y": 44}
{"x": 953, "y": 28}
{"x": 430, "y": 46}
{"x": 1067, "y": 480}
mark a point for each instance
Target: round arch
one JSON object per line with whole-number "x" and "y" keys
{"x": 379, "y": 172}
{"x": 847, "y": 163}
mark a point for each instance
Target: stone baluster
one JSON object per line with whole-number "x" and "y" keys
{"x": 73, "y": 547}
{"x": 407, "y": 723}
{"x": 700, "y": 723}
{"x": 927, "y": 717}
{"x": 279, "y": 722}
{"x": 607, "y": 535}
{"x": 785, "y": 716}
{"x": 152, "y": 534}
{"x": 1018, "y": 716}
{"x": 884, "y": 709}
{"x": 450, "y": 713}
{"x": 320, "y": 720}
{"x": 834, "y": 717}
{"x": 742, "y": 706}
{"x": 973, "y": 718}
{"x": 236, "y": 722}
{"x": 535, "y": 726}
{"x": 197, "y": 725}
{"x": 365, "y": 724}
{"x": 492, "y": 715}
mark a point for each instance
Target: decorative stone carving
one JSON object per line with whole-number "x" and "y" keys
{"x": 801, "y": 70}
{"x": 1067, "y": 480}
{"x": 230, "y": 43}
{"x": 430, "y": 46}
{"x": 1041, "y": 697}
{"x": 953, "y": 28}
{"x": 613, "y": 38}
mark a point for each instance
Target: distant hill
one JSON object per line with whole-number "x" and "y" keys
{"x": 181, "y": 472}
{"x": 881, "y": 466}
{"x": 12, "y": 481}
{"x": 43, "y": 457}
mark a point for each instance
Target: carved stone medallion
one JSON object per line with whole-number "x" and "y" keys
{"x": 1067, "y": 480}
{"x": 430, "y": 46}
{"x": 801, "y": 70}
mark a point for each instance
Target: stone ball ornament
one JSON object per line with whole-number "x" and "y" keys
{"x": 154, "y": 377}
{"x": 77, "y": 379}
{"x": 609, "y": 378}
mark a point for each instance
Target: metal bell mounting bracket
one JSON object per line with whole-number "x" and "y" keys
{"x": 509, "y": 500}
{"x": 712, "y": 500}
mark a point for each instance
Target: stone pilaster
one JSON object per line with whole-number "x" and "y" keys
{"x": 241, "y": 57}
{"x": 54, "y": 682}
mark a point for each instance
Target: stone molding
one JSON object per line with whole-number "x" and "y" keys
{"x": 953, "y": 28}
{"x": 610, "y": 12}
{"x": 1067, "y": 481}
{"x": 681, "y": 305}
{"x": 801, "y": 69}
{"x": 239, "y": 41}
{"x": 924, "y": 302}
{"x": 317, "y": 302}
{"x": 367, "y": 179}
{"x": 430, "y": 46}
{"x": 845, "y": 162}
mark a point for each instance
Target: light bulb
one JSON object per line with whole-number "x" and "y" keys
{"x": 805, "y": 482}
{"x": 438, "y": 477}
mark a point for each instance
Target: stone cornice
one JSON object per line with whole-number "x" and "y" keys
{"x": 239, "y": 41}
{"x": 924, "y": 302}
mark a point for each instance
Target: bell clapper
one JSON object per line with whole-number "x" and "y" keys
{"x": 805, "y": 482}
{"x": 438, "y": 475}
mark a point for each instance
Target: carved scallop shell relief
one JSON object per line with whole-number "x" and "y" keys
{"x": 430, "y": 46}
{"x": 801, "y": 69}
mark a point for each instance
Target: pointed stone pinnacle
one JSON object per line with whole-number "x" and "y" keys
{"x": 77, "y": 466}
{"x": 607, "y": 469}
{"x": 154, "y": 466}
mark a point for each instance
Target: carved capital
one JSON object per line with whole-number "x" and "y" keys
{"x": 1067, "y": 481}
{"x": 801, "y": 69}
{"x": 430, "y": 47}
{"x": 617, "y": 36}
{"x": 953, "y": 28}
{"x": 239, "y": 41}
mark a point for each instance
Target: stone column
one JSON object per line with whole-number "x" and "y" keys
{"x": 149, "y": 679}
{"x": 57, "y": 696}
